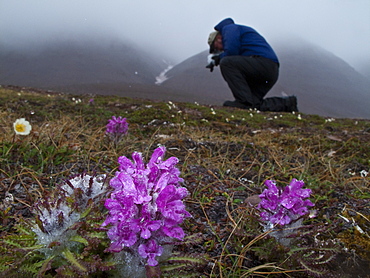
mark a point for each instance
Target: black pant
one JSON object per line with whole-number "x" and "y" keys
{"x": 249, "y": 77}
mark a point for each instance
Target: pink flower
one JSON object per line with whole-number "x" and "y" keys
{"x": 170, "y": 205}
{"x": 145, "y": 225}
{"x": 150, "y": 250}
{"x": 279, "y": 206}
{"x": 146, "y": 205}
{"x": 116, "y": 128}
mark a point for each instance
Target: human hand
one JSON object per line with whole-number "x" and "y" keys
{"x": 213, "y": 60}
{"x": 216, "y": 58}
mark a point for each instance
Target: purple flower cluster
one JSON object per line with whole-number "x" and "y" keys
{"x": 146, "y": 207}
{"x": 116, "y": 128}
{"x": 284, "y": 206}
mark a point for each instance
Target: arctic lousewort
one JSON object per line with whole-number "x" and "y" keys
{"x": 280, "y": 206}
{"x": 146, "y": 207}
{"x": 150, "y": 250}
{"x": 116, "y": 128}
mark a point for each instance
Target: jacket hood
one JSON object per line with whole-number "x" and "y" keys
{"x": 223, "y": 23}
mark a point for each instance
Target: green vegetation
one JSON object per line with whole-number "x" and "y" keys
{"x": 225, "y": 156}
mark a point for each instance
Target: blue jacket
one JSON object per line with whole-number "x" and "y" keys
{"x": 243, "y": 40}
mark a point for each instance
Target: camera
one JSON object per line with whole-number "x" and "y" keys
{"x": 212, "y": 60}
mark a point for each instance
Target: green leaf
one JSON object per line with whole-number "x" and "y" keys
{"x": 168, "y": 268}
{"x": 187, "y": 259}
{"x": 86, "y": 212}
{"x": 71, "y": 258}
{"x": 80, "y": 239}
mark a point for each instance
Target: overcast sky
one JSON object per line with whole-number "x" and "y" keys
{"x": 181, "y": 28}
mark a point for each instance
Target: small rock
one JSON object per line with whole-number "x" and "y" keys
{"x": 253, "y": 200}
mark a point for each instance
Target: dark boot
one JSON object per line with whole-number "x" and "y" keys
{"x": 291, "y": 104}
{"x": 280, "y": 104}
{"x": 236, "y": 104}
{"x": 273, "y": 104}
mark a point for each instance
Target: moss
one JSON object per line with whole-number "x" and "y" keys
{"x": 357, "y": 237}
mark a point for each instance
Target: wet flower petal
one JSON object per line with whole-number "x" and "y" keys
{"x": 281, "y": 207}
{"x": 146, "y": 205}
{"x": 116, "y": 128}
{"x": 150, "y": 250}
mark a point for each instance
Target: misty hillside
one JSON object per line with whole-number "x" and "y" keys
{"x": 79, "y": 64}
{"x": 326, "y": 85}
{"x": 365, "y": 69}
{"x": 323, "y": 83}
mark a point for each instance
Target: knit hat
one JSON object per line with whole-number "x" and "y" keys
{"x": 211, "y": 39}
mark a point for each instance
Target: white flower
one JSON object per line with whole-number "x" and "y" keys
{"x": 364, "y": 173}
{"x": 22, "y": 127}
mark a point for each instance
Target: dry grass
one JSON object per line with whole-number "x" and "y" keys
{"x": 225, "y": 156}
